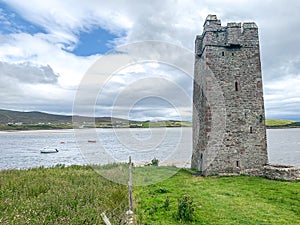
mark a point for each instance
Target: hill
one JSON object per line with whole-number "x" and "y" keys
{"x": 277, "y": 123}
{"x": 34, "y": 117}
{"x": 8, "y": 116}
{"x": 15, "y": 120}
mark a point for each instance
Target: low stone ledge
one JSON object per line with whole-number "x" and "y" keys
{"x": 273, "y": 172}
{"x": 281, "y": 172}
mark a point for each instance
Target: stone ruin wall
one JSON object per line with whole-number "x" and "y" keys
{"x": 231, "y": 74}
{"x": 229, "y": 133}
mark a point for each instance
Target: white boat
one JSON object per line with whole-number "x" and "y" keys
{"x": 49, "y": 150}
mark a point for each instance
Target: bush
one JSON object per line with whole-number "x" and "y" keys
{"x": 161, "y": 190}
{"x": 154, "y": 162}
{"x": 186, "y": 210}
{"x": 166, "y": 205}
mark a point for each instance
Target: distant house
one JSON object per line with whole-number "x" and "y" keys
{"x": 17, "y": 124}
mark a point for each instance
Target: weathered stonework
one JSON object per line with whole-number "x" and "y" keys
{"x": 229, "y": 134}
{"x": 275, "y": 172}
{"x": 280, "y": 172}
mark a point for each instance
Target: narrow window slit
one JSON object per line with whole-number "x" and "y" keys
{"x": 236, "y": 86}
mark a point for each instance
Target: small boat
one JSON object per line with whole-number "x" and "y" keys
{"x": 62, "y": 142}
{"x": 92, "y": 141}
{"x": 49, "y": 150}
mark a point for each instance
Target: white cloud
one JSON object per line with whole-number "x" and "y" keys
{"x": 172, "y": 21}
{"x": 147, "y": 90}
{"x": 283, "y": 97}
{"x": 65, "y": 19}
{"x": 37, "y": 49}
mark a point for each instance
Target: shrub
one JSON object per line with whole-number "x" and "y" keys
{"x": 166, "y": 205}
{"x": 154, "y": 162}
{"x": 161, "y": 190}
{"x": 186, "y": 210}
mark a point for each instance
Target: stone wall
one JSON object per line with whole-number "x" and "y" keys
{"x": 279, "y": 172}
{"x": 275, "y": 172}
{"x": 229, "y": 133}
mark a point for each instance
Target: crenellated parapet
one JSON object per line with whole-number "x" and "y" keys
{"x": 234, "y": 35}
{"x": 228, "y": 119}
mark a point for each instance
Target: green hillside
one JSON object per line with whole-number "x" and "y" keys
{"x": 16, "y": 120}
{"x": 281, "y": 123}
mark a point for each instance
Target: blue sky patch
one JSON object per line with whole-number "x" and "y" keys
{"x": 97, "y": 41}
{"x": 12, "y": 22}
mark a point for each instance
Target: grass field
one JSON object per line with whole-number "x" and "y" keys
{"x": 220, "y": 200}
{"x": 59, "y": 195}
{"x": 78, "y": 195}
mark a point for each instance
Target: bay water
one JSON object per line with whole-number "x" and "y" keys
{"x": 171, "y": 146}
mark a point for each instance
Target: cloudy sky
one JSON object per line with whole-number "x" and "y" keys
{"x": 47, "y": 46}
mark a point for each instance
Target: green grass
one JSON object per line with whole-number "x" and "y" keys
{"x": 97, "y": 125}
{"x": 35, "y": 126}
{"x": 269, "y": 123}
{"x": 277, "y": 122}
{"x": 78, "y": 195}
{"x": 220, "y": 200}
{"x": 281, "y": 123}
{"x": 59, "y": 195}
{"x": 143, "y": 175}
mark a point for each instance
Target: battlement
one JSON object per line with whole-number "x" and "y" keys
{"x": 212, "y": 23}
{"x": 234, "y": 35}
{"x": 234, "y": 25}
{"x": 228, "y": 118}
{"x": 250, "y": 25}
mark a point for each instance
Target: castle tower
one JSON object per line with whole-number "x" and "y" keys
{"x": 229, "y": 133}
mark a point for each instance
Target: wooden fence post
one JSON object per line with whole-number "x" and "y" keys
{"x": 130, "y": 213}
{"x": 105, "y": 219}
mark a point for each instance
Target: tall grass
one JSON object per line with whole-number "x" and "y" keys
{"x": 78, "y": 195}
{"x": 59, "y": 195}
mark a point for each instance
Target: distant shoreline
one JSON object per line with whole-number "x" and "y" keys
{"x": 104, "y": 125}
{"x": 283, "y": 127}
{"x": 56, "y": 130}
{"x": 63, "y": 130}
{"x": 34, "y": 120}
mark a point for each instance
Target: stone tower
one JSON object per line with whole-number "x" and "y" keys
{"x": 229, "y": 134}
